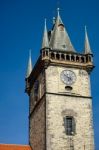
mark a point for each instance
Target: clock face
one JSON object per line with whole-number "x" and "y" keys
{"x": 68, "y": 77}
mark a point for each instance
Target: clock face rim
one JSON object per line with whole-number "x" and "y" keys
{"x": 65, "y": 81}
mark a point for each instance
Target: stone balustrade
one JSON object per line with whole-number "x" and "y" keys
{"x": 66, "y": 56}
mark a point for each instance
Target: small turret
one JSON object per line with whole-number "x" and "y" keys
{"x": 87, "y": 49}
{"x": 29, "y": 67}
{"x": 45, "y": 42}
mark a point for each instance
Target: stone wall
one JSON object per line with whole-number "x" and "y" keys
{"x": 41, "y": 90}
{"x": 57, "y": 107}
{"x": 47, "y": 130}
{"x": 37, "y": 127}
{"x": 61, "y": 103}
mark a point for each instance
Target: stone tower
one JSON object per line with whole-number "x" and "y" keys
{"x": 59, "y": 93}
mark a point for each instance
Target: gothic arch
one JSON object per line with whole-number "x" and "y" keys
{"x": 52, "y": 55}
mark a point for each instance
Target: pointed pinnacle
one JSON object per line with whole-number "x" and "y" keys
{"x": 45, "y": 42}
{"x": 87, "y": 44}
{"x": 29, "y": 67}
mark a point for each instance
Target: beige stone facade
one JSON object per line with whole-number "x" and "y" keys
{"x": 80, "y": 108}
{"x": 60, "y": 103}
{"x": 54, "y": 103}
{"x": 54, "y": 84}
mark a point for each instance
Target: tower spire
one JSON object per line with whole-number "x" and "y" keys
{"x": 29, "y": 67}
{"x": 45, "y": 42}
{"x": 87, "y": 49}
{"x": 59, "y": 37}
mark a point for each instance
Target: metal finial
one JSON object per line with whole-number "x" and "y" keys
{"x": 58, "y": 10}
{"x": 45, "y": 28}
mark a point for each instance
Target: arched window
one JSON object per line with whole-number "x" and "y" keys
{"x": 72, "y": 58}
{"x": 52, "y": 55}
{"x": 62, "y": 57}
{"x": 43, "y": 53}
{"x": 61, "y": 27}
{"x": 57, "y": 56}
{"x": 82, "y": 59}
{"x": 67, "y": 57}
{"x": 46, "y": 53}
{"x": 77, "y": 58}
{"x": 86, "y": 58}
{"x": 89, "y": 58}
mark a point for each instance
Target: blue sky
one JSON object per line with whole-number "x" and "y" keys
{"x": 21, "y": 28}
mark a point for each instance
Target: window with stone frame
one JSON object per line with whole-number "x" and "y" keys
{"x": 69, "y": 124}
{"x": 61, "y": 27}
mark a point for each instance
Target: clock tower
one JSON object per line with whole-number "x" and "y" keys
{"x": 60, "y": 114}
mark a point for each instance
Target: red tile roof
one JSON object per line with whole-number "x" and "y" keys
{"x": 14, "y": 147}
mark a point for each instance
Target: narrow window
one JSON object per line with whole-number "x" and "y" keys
{"x": 69, "y": 125}
{"x": 36, "y": 89}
